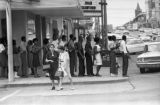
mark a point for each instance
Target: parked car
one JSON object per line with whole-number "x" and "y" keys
{"x": 135, "y": 45}
{"x": 146, "y": 38}
{"x": 150, "y": 58}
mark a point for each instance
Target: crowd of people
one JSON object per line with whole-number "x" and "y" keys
{"x": 70, "y": 56}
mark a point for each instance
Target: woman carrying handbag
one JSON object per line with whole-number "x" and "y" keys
{"x": 52, "y": 59}
{"x": 64, "y": 67}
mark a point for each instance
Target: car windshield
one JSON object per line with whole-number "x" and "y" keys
{"x": 130, "y": 42}
{"x": 154, "y": 47}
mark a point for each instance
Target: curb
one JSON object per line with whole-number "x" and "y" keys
{"x": 10, "y": 85}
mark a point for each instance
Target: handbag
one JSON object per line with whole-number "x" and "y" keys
{"x": 47, "y": 66}
{"x": 59, "y": 73}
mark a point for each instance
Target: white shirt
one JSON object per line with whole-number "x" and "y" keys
{"x": 110, "y": 45}
{"x": 123, "y": 46}
{"x": 23, "y": 46}
{"x": 2, "y": 48}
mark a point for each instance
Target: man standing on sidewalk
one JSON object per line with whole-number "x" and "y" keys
{"x": 125, "y": 56}
{"x": 72, "y": 54}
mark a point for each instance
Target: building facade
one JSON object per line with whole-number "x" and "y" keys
{"x": 153, "y": 12}
{"x": 39, "y": 18}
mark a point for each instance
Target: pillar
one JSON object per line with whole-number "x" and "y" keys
{"x": 9, "y": 40}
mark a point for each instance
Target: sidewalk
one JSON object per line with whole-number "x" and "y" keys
{"x": 31, "y": 81}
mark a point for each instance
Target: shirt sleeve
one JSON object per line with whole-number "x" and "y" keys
{"x": 2, "y": 48}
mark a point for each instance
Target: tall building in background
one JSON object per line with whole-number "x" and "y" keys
{"x": 138, "y": 10}
{"x": 153, "y": 12}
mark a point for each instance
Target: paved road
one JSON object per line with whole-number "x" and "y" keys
{"x": 139, "y": 90}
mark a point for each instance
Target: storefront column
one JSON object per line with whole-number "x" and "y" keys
{"x": 38, "y": 27}
{"x": 43, "y": 28}
{"x": 9, "y": 40}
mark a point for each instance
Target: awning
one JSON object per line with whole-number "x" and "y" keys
{"x": 51, "y": 8}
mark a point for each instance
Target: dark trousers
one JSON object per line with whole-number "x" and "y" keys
{"x": 72, "y": 56}
{"x": 24, "y": 64}
{"x": 113, "y": 63}
{"x": 89, "y": 64}
{"x": 81, "y": 66}
{"x": 125, "y": 64}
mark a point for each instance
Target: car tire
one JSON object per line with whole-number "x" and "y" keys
{"x": 142, "y": 70}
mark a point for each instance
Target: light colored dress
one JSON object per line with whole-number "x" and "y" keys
{"x": 98, "y": 57}
{"x": 64, "y": 63}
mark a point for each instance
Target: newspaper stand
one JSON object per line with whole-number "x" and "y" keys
{"x": 105, "y": 58}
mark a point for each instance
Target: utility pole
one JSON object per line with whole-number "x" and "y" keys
{"x": 104, "y": 23}
{"x": 102, "y": 19}
{"x": 9, "y": 41}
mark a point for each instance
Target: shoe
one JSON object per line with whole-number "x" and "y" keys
{"x": 16, "y": 76}
{"x": 53, "y": 88}
{"x": 113, "y": 75}
{"x": 61, "y": 88}
{"x": 47, "y": 76}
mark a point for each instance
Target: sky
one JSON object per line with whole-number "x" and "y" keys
{"x": 121, "y": 11}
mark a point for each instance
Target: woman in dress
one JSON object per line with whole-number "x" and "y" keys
{"x": 97, "y": 55}
{"x": 36, "y": 62}
{"x": 64, "y": 64}
{"x": 52, "y": 59}
{"x": 16, "y": 59}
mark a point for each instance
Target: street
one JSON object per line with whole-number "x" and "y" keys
{"x": 139, "y": 89}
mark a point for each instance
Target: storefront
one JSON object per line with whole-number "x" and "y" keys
{"x": 39, "y": 18}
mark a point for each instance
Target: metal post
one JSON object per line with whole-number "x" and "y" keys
{"x": 102, "y": 18}
{"x": 9, "y": 40}
{"x": 105, "y": 25}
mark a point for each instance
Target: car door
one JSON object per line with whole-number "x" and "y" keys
{"x": 135, "y": 46}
